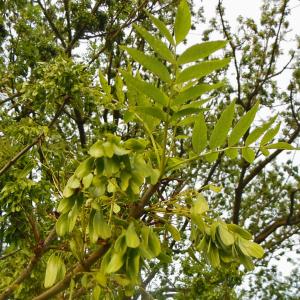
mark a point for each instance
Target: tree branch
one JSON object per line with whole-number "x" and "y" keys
{"x": 265, "y": 233}
{"x": 113, "y": 34}
{"x": 10, "y": 98}
{"x": 35, "y": 141}
{"x": 263, "y": 163}
{"x": 80, "y": 125}
{"x": 267, "y": 76}
{"x": 33, "y": 261}
{"x": 238, "y": 194}
{"x": 52, "y": 25}
{"x": 80, "y": 31}
{"x": 137, "y": 209}
{"x": 79, "y": 267}
{"x": 233, "y": 48}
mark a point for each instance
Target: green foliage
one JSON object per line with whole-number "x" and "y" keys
{"x": 109, "y": 161}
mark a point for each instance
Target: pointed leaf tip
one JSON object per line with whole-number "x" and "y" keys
{"x": 182, "y": 24}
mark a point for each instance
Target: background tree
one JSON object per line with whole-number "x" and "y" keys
{"x": 101, "y": 168}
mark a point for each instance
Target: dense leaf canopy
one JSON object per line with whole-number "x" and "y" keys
{"x": 132, "y": 168}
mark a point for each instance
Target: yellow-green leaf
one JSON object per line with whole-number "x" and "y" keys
{"x": 281, "y": 146}
{"x": 62, "y": 225}
{"x": 242, "y": 126}
{"x": 148, "y": 89}
{"x": 225, "y": 236}
{"x": 101, "y": 227}
{"x": 182, "y": 24}
{"x": 116, "y": 262}
{"x": 242, "y": 232}
{"x": 195, "y": 91}
{"x": 248, "y": 154}
{"x": 174, "y": 232}
{"x": 269, "y": 135}
{"x": 51, "y": 270}
{"x": 154, "y": 243}
{"x": 162, "y": 28}
{"x": 222, "y": 127}
{"x": 201, "y": 69}
{"x": 157, "y": 45}
{"x": 199, "y": 206}
{"x": 199, "y": 136}
{"x": 199, "y": 51}
{"x": 151, "y": 63}
{"x": 259, "y": 131}
{"x": 132, "y": 239}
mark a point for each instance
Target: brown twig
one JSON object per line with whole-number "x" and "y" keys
{"x": 266, "y": 232}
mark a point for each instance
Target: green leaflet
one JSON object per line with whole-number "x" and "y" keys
{"x": 162, "y": 28}
{"x": 182, "y": 24}
{"x": 72, "y": 216}
{"x": 211, "y": 157}
{"x": 184, "y": 112}
{"x": 247, "y": 262}
{"x": 199, "y": 206}
{"x": 224, "y": 234}
{"x": 249, "y": 248}
{"x": 222, "y": 127}
{"x": 119, "y": 88}
{"x": 133, "y": 264}
{"x": 120, "y": 244}
{"x": 242, "y": 125}
{"x": 108, "y": 149}
{"x": 100, "y": 226}
{"x": 154, "y": 243}
{"x": 199, "y": 137}
{"x": 213, "y": 255}
{"x": 148, "y": 89}
{"x": 199, "y": 51}
{"x": 136, "y": 145}
{"x": 87, "y": 180}
{"x": 144, "y": 249}
{"x": 132, "y": 239}
{"x": 280, "y": 145}
{"x": 195, "y": 91}
{"x": 202, "y": 246}
{"x": 152, "y": 111}
{"x": 116, "y": 262}
{"x": 68, "y": 192}
{"x": 73, "y": 182}
{"x": 62, "y": 225}
{"x": 124, "y": 180}
{"x": 97, "y": 150}
{"x": 239, "y": 230}
{"x": 149, "y": 62}
{"x": 106, "y": 88}
{"x": 269, "y": 135}
{"x": 119, "y": 150}
{"x": 84, "y": 168}
{"x": 55, "y": 270}
{"x": 232, "y": 153}
{"x": 248, "y": 154}
{"x": 201, "y": 69}
{"x": 157, "y": 45}
{"x": 65, "y": 205}
{"x": 174, "y": 232}
{"x": 51, "y": 271}
{"x": 259, "y": 131}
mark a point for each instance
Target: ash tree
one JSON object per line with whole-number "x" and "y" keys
{"x": 124, "y": 158}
